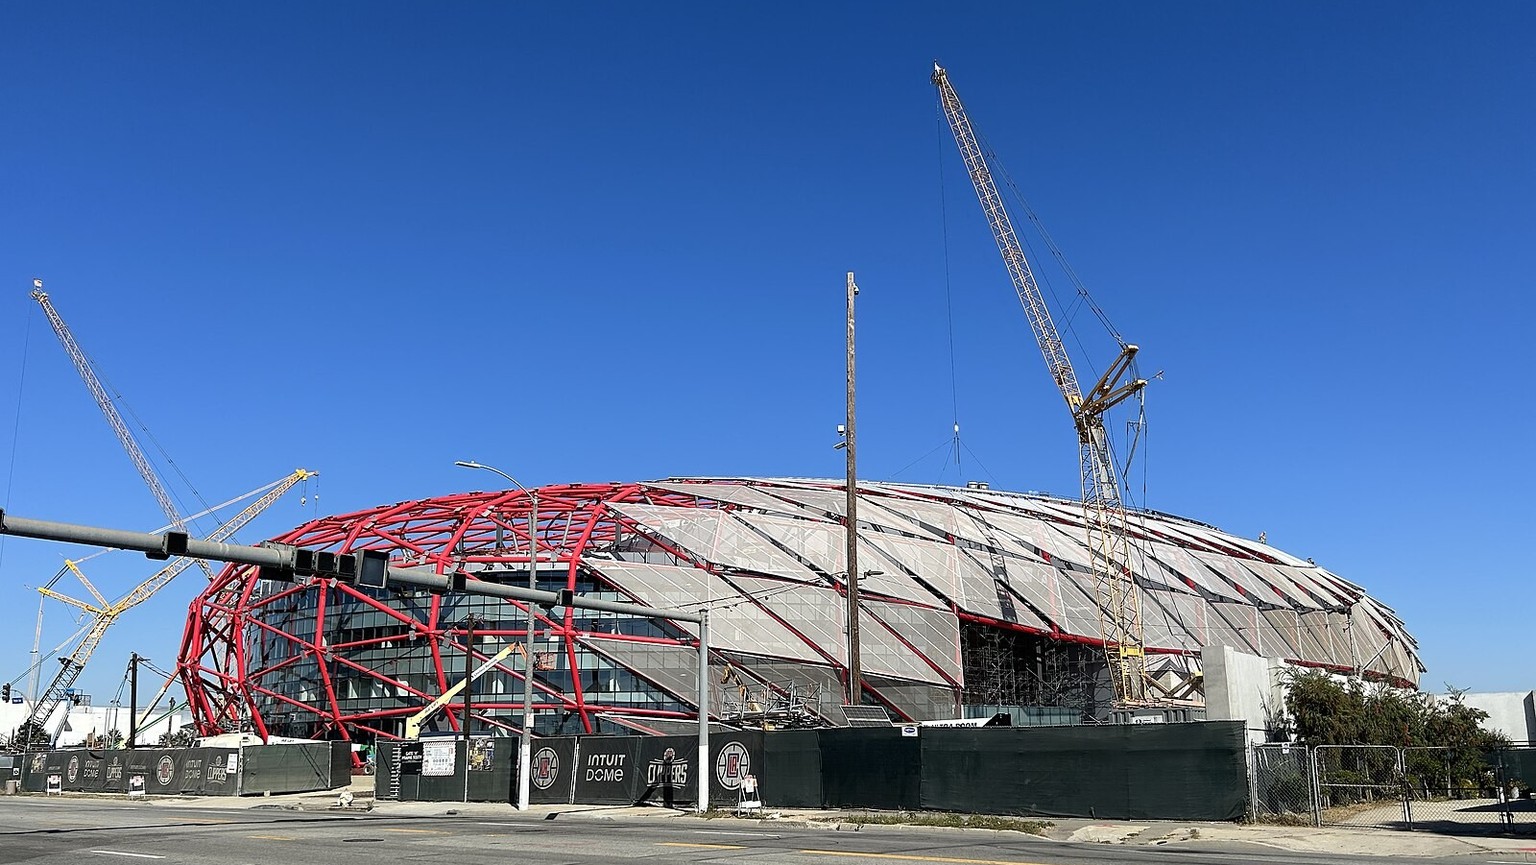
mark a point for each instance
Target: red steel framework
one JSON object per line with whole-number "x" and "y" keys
{"x": 469, "y": 531}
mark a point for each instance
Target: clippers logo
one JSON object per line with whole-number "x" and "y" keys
{"x": 732, "y": 764}
{"x": 73, "y": 771}
{"x": 667, "y": 770}
{"x": 546, "y": 767}
{"x": 165, "y": 771}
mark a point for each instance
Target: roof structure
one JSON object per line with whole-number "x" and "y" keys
{"x": 767, "y": 558}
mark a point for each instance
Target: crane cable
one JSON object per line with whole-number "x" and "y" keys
{"x": 21, "y": 387}
{"x": 949, "y": 301}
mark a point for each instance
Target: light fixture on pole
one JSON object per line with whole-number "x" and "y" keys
{"x": 525, "y": 741}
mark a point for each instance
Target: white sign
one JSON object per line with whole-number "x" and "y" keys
{"x": 909, "y": 730}
{"x": 234, "y": 761}
{"x": 439, "y": 756}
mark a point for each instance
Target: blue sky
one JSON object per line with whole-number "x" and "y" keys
{"x": 607, "y": 242}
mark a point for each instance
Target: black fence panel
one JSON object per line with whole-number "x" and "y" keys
{"x": 552, "y": 771}
{"x": 669, "y": 766}
{"x": 446, "y": 787}
{"x": 733, "y": 757}
{"x": 609, "y": 770}
{"x": 221, "y": 771}
{"x": 1191, "y": 771}
{"x": 870, "y": 767}
{"x": 492, "y": 767}
{"x": 341, "y": 764}
{"x": 292, "y": 768}
{"x": 790, "y": 776}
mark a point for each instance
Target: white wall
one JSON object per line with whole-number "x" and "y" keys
{"x": 1512, "y": 713}
{"x": 1240, "y": 687}
{"x": 84, "y": 720}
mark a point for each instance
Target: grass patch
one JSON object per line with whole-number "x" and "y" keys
{"x": 953, "y": 821}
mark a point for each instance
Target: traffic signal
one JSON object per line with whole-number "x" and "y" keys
{"x": 5, "y": 693}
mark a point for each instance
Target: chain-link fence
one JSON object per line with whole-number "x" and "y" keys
{"x": 1383, "y": 786}
{"x": 1281, "y": 784}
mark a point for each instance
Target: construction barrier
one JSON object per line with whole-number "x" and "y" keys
{"x": 294, "y": 768}
{"x": 1193, "y": 771}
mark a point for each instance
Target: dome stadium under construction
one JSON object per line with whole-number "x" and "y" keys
{"x": 971, "y": 599}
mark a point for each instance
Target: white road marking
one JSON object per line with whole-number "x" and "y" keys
{"x": 732, "y": 832}
{"x": 122, "y": 853}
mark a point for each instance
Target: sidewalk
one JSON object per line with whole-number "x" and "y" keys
{"x": 1296, "y": 839}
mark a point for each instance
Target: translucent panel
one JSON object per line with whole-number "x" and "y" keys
{"x": 875, "y": 511}
{"x": 944, "y": 519}
{"x": 675, "y": 669}
{"x": 1178, "y": 560}
{"x": 717, "y": 538}
{"x": 1236, "y": 625}
{"x": 982, "y": 595}
{"x": 1065, "y": 598}
{"x": 1162, "y": 621}
{"x": 1300, "y": 595}
{"x": 818, "y": 614}
{"x": 1314, "y": 638}
{"x": 1152, "y": 573}
{"x": 916, "y": 701}
{"x": 1285, "y": 628}
{"x": 824, "y": 545}
{"x": 741, "y": 626}
{"x": 881, "y": 651}
{"x": 1236, "y": 574}
{"x": 935, "y": 563}
{"x": 934, "y": 633}
{"x": 1035, "y": 535}
{"x": 736, "y": 494}
{"x": 823, "y": 501}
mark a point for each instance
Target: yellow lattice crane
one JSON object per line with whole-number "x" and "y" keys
{"x": 1103, "y": 511}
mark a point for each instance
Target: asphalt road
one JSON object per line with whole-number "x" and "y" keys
{"x": 78, "y": 831}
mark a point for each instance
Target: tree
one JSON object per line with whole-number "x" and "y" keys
{"x": 186, "y": 737}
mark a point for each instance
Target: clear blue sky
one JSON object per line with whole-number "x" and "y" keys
{"x": 607, "y": 242}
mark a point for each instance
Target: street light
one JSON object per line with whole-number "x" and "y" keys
{"x": 525, "y": 741}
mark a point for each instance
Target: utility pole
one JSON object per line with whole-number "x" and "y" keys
{"x": 133, "y": 697}
{"x": 855, "y": 685}
{"x": 470, "y": 621}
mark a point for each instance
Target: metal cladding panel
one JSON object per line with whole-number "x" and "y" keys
{"x": 935, "y": 634}
{"x": 734, "y": 622}
{"x": 717, "y": 538}
{"x": 735, "y": 494}
{"x": 1151, "y": 573}
{"x": 1179, "y": 561}
{"x": 882, "y": 653}
{"x": 817, "y": 614}
{"x": 1037, "y": 535}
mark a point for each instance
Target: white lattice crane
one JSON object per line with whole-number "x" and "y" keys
{"x": 108, "y": 408}
{"x": 104, "y": 613}
{"x": 1103, "y": 511}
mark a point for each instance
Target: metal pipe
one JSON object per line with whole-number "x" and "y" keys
{"x": 133, "y": 698}
{"x": 704, "y": 767}
{"x": 282, "y": 556}
{"x": 525, "y": 741}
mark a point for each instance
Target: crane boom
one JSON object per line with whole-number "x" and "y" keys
{"x": 108, "y": 408}
{"x": 105, "y": 614}
{"x": 1103, "y": 510}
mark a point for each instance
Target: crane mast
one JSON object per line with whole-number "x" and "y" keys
{"x": 1103, "y": 511}
{"x": 104, "y": 613}
{"x": 104, "y": 402}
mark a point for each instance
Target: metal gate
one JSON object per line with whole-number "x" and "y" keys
{"x": 1385, "y": 786}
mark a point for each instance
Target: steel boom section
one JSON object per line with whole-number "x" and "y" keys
{"x": 1103, "y": 511}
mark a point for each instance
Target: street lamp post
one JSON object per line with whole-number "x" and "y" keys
{"x": 525, "y": 741}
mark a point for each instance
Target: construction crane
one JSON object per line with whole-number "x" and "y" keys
{"x": 104, "y": 612}
{"x": 414, "y": 723}
{"x": 108, "y": 408}
{"x": 1103, "y": 511}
